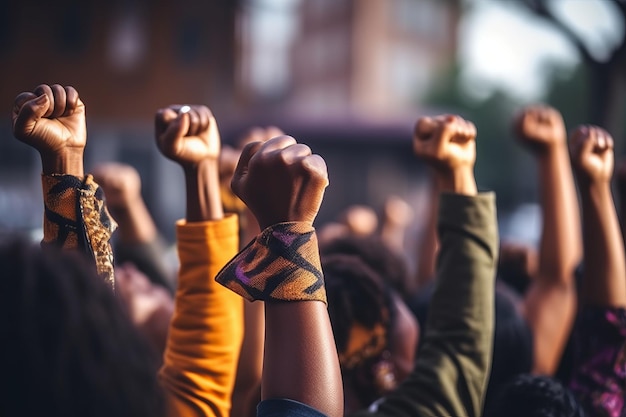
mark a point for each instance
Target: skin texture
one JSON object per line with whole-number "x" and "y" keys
{"x": 122, "y": 186}
{"x": 149, "y": 306}
{"x": 447, "y": 144}
{"x": 550, "y": 302}
{"x": 192, "y": 140}
{"x": 605, "y": 268}
{"x": 246, "y": 393}
{"x": 51, "y": 119}
{"x": 282, "y": 181}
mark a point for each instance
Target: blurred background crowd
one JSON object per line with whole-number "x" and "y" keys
{"x": 329, "y": 72}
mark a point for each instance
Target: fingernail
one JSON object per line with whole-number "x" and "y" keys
{"x": 41, "y": 99}
{"x": 184, "y": 109}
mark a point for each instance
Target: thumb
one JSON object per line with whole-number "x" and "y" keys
{"x": 27, "y": 111}
{"x": 174, "y": 132}
{"x": 242, "y": 166}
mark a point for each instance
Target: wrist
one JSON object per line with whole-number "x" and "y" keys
{"x": 66, "y": 162}
{"x": 458, "y": 181}
{"x": 204, "y": 201}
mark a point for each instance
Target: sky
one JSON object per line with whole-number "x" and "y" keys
{"x": 503, "y": 45}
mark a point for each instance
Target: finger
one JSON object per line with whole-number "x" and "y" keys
{"x": 71, "y": 101}
{"x": 163, "y": 118}
{"x": 20, "y": 100}
{"x": 29, "y": 114}
{"x": 316, "y": 167}
{"x": 582, "y": 141}
{"x": 424, "y": 128}
{"x": 45, "y": 89}
{"x": 59, "y": 100}
{"x": 277, "y": 143}
{"x": 175, "y": 131}
{"x": 241, "y": 170}
{"x": 194, "y": 123}
{"x": 205, "y": 118}
{"x": 294, "y": 153}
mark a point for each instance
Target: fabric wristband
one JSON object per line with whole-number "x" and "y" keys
{"x": 280, "y": 264}
{"x": 76, "y": 218}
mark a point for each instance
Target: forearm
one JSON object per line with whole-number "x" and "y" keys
{"x": 203, "y": 192}
{"x": 453, "y": 364}
{"x": 300, "y": 356}
{"x": 69, "y": 161}
{"x": 561, "y": 242}
{"x": 75, "y": 214}
{"x": 135, "y": 223}
{"x": 428, "y": 244}
{"x": 605, "y": 268}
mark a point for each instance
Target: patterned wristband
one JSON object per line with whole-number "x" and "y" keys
{"x": 76, "y": 218}
{"x": 280, "y": 264}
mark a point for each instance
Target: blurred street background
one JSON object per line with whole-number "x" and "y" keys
{"x": 347, "y": 77}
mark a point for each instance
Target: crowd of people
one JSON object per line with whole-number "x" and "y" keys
{"x": 264, "y": 319}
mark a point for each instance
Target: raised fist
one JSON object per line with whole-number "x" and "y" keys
{"x": 540, "y": 127}
{"x": 187, "y": 134}
{"x": 280, "y": 181}
{"x": 446, "y": 142}
{"x": 121, "y": 184}
{"x": 51, "y": 119}
{"x": 591, "y": 150}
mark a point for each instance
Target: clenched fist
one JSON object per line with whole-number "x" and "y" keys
{"x": 187, "y": 134}
{"x": 448, "y": 144}
{"x": 121, "y": 184}
{"x": 540, "y": 127}
{"x": 280, "y": 181}
{"x": 591, "y": 150}
{"x": 51, "y": 119}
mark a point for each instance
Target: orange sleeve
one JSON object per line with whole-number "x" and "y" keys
{"x": 205, "y": 335}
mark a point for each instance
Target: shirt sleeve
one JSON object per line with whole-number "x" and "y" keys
{"x": 76, "y": 218}
{"x": 286, "y": 408}
{"x": 452, "y": 367}
{"x": 205, "y": 335}
{"x": 599, "y": 376}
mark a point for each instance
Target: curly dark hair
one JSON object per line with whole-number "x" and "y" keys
{"x": 377, "y": 255}
{"x": 68, "y": 349}
{"x": 534, "y": 396}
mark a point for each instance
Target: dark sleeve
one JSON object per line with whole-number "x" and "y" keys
{"x": 451, "y": 370}
{"x": 285, "y": 408}
{"x": 599, "y": 376}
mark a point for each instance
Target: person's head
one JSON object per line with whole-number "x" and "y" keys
{"x": 512, "y": 341}
{"x": 377, "y": 255}
{"x": 374, "y": 332}
{"x": 68, "y": 349}
{"x": 534, "y": 396}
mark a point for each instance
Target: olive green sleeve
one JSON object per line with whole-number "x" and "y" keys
{"x": 452, "y": 367}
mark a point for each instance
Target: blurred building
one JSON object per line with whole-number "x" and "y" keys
{"x": 370, "y": 56}
{"x": 126, "y": 58}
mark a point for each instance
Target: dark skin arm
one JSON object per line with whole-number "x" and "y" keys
{"x": 604, "y": 283}
{"x": 189, "y": 136}
{"x": 282, "y": 181}
{"x": 51, "y": 119}
{"x": 550, "y": 302}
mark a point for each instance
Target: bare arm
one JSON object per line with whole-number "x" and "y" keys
{"x": 51, "y": 119}
{"x": 207, "y": 328}
{"x": 604, "y": 276}
{"x": 452, "y": 367}
{"x": 282, "y": 183}
{"x": 550, "y": 302}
